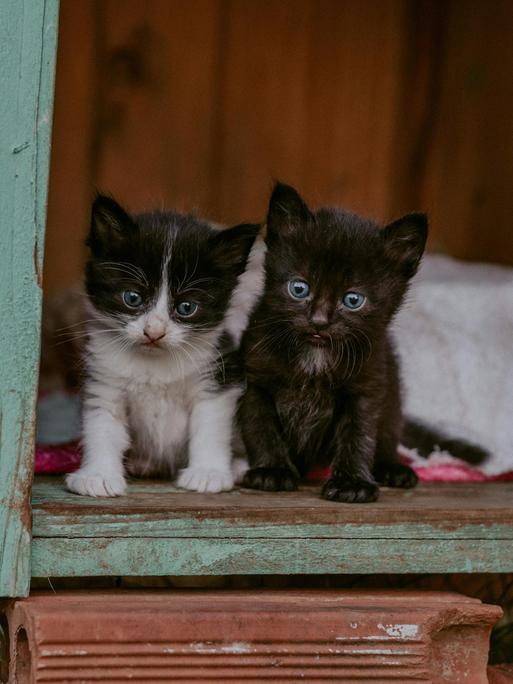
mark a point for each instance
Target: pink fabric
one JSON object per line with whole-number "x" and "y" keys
{"x": 439, "y": 467}
{"x": 66, "y": 458}
{"x": 53, "y": 460}
{"x": 457, "y": 471}
{"x": 450, "y": 473}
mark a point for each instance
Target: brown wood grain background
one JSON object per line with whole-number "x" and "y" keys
{"x": 381, "y": 106}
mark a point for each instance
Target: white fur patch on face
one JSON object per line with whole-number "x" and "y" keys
{"x": 314, "y": 361}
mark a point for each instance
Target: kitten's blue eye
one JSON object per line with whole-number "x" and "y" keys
{"x": 186, "y": 309}
{"x": 353, "y": 300}
{"x": 299, "y": 289}
{"x": 132, "y": 299}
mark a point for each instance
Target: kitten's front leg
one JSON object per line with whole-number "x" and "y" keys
{"x": 351, "y": 479}
{"x": 105, "y": 439}
{"x": 270, "y": 466}
{"x": 210, "y": 445}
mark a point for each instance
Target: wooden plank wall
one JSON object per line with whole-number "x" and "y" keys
{"x": 382, "y": 106}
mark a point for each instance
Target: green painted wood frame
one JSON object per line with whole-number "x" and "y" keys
{"x": 28, "y": 41}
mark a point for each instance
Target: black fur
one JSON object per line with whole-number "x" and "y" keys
{"x": 347, "y": 412}
{"x": 424, "y": 438}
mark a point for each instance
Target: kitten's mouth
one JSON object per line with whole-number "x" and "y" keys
{"x": 318, "y": 340}
{"x": 151, "y": 345}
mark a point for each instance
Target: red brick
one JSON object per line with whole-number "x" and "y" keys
{"x": 213, "y": 636}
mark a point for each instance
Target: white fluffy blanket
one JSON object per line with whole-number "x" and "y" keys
{"x": 455, "y": 338}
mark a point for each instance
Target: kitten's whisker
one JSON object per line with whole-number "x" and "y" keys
{"x": 134, "y": 272}
{"x": 197, "y": 289}
{"x": 369, "y": 342}
{"x": 218, "y": 359}
{"x": 186, "y": 276}
{"x": 273, "y": 340}
{"x": 127, "y": 266}
{"x": 348, "y": 356}
{"x": 75, "y": 325}
{"x": 354, "y": 348}
{"x": 268, "y": 321}
{"x": 202, "y": 280}
{"x": 190, "y": 357}
{"x": 86, "y": 333}
{"x": 272, "y": 336}
{"x": 176, "y": 359}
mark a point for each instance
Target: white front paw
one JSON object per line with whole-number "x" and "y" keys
{"x": 94, "y": 483}
{"x": 205, "y": 480}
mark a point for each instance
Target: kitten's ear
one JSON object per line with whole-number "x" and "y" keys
{"x": 230, "y": 248}
{"x": 287, "y": 210}
{"x": 110, "y": 226}
{"x": 405, "y": 240}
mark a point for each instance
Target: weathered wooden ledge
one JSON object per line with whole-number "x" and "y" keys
{"x": 158, "y": 530}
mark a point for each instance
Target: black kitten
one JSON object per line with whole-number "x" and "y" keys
{"x": 323, "y": 384}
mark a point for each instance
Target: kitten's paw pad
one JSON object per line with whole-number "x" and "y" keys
{"x": 205, "y": 480}
{"x": 95, "y": 483}
{"x": 271, "y": 479}
{"x": 354, "y": 491}
{"x": 395, "y": 475}
{"x": 240, "y": 467}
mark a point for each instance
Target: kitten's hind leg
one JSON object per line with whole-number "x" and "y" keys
{"x": 388, "y": 470}
{"x": 390, "y": 474}
{"x": 270, "y": 466}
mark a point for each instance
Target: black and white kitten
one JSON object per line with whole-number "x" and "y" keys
{"x": 322, "y": 377}
{"x": 161, "y": 391}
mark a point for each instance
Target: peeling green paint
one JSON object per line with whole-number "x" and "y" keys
{"x": 158, "y": 530}
{"x": 28, "y": 39}
{"x": 214, "y": 556}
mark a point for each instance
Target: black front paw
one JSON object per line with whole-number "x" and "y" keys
{"x": 271, "y": 479}
{"x": 350, "y": 491}
{"x": 395, "y": 475}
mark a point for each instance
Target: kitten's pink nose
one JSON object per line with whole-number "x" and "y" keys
{"x": 154, "y": 332}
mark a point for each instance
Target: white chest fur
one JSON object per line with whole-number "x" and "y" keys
{"x": 158, "y": 417}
